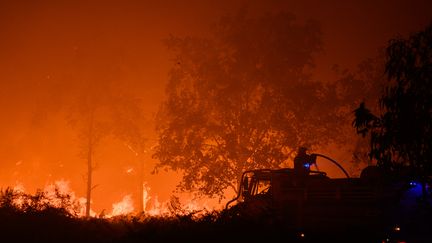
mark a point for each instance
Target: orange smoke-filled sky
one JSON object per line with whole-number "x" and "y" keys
{"x": 48, "y": 42}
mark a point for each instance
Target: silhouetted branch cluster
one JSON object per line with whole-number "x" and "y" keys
{"x": 244, "y": 98}
{"x": 400, "y": 137}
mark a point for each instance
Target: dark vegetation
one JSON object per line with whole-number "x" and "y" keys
{"x": 37, "y": 219}
{"x": 401, "y": 134}
{"x": 245, "y": 98}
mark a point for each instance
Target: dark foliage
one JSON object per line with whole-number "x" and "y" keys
{"x": 401, "y": 136}
{"x": 39, "y": 221}
{"x": 244, "y": 98}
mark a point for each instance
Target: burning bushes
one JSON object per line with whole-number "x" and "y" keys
{"x": 41, "y": 201}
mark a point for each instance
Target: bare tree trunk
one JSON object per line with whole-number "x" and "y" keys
{"x": 89, "y": 181}
{"x": 141, "y": 185}
{"x": 89, "y": 165}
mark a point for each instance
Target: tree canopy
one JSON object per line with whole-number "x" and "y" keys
{"x": 243, "y": 98}
{"x": 401, "y": 135}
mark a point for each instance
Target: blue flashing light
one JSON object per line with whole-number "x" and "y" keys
{"x": 415, "y": 188}
{"x": 307, "y": 165}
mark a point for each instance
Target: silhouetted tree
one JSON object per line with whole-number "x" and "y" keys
{"x": 132, "y": 127}
{"x": 243, "y": 99}
{"x": 100, "y": 103}
{"x": 363, "y": 84}
{"x": 364, "y": 119}
{"x": 402, "y": 134}
{"x": 102, "y": 110}
{"x": 89, "y": 115}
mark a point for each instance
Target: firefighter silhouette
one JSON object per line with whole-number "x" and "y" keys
{"x": 303, "y": 162}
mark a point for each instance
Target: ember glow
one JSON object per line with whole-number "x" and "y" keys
{"x": 53, "y": 193}
{"x": 125, "y": 206}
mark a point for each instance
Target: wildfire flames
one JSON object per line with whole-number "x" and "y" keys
{"x": 125, "y": 206}
{"x": 55, "y": 195}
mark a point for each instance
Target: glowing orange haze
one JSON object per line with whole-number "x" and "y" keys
{"x": 51, "y": 42}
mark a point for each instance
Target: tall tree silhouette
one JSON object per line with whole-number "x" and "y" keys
{"x": 131, "y": 126}
{"x": 402, "y": 134}
{"x": 243, "y": 99}
{"x": 88, "y": 114}
{"x": 96, "y": 102}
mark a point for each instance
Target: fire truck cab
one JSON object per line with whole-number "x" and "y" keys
{"x": 315, "y": 199}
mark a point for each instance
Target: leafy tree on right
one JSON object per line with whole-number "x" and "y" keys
{"x": 401, "y": 135}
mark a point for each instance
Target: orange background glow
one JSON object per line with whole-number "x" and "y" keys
{"x": 46, "y": 44}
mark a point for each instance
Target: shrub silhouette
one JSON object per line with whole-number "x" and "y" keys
{"x": 51, "y": 217}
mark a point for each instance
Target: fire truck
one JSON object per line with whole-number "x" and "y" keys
{"x": 316, "y": 200}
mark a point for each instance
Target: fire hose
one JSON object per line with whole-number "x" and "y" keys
{"x": 334, "y": 162}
